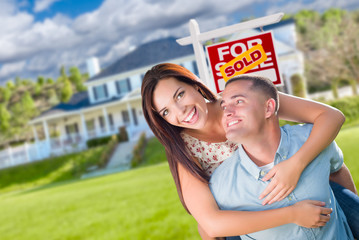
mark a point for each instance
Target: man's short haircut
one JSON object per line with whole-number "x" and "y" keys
{"x": 259, "y": 83}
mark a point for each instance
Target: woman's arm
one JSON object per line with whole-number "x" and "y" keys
{"x": 215, "y": 222}
{"x": 343, "y": 177}
{"x": 327, "y": 122}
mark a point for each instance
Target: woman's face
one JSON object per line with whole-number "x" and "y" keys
{"x": 180, "y": 104}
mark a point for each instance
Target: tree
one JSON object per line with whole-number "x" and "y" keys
{"x": 10, "y": 85}
{"x": 52, "y": 97}
{"x": 49, "y": 81}
{"x": 28, "y": 105}
{"x": 41, "y": 80}
{"x": 5, "y": 94}
{"x": 66, "y": 91}
{"x": 4, "y": 118}
{"x": 331, "y": 46}
{"x": 76, "y": 79}
{"x": 17, "y": 81}
{"x": 37, "y": 90}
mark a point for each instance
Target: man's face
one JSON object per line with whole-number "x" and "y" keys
{"x": 243, "y": 111}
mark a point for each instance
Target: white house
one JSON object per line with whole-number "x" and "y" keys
{"x": 113, "y": 98}
{"x": 111, "y": 101}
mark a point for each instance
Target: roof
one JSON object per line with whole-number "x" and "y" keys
{"x": 78, "y": 101}
{"x": 279, "y": 24}
{"x": 147, "y": 54}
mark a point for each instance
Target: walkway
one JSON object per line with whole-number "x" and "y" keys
{"x": 120, "y": 161}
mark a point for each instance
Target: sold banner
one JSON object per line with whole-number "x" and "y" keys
{"x": 254, "y": 55}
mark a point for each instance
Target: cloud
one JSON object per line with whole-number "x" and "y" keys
{"x": 110, "y": 31}
{"x": 41, "y": 5}
{"x": 10, "y": 68}
{"x": 291, "y": 7}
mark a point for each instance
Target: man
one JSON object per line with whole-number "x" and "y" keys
{"x": 250, "y": 118}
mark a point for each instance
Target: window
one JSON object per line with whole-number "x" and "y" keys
{"x": 125, "y": 117}
{"x": 110, "y": 119}
{"x": 195, "y": 68}
{"x": 100, "y": 92}
{"x": 71, "y": 129}
{"x": 134, "y": 116}
{"x": 123, "y": 86}
{"x": 53, "y": 131}
{"x": 90, "y": 125}
{"x": 102, "y": 122}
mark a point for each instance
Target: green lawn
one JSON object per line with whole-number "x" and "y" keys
{"x": 137, "y": 204}
{"x": 348, "y": 141}
{"x": 49, "y": 171}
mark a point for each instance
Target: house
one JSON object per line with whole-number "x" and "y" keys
{"x": 113, "y": 99}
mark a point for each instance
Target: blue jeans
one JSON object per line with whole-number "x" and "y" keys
{"x": 349, "y": 202}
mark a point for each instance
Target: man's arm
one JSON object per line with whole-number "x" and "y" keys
{"x": 343, "y": 177}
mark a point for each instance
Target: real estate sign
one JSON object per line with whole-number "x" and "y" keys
{"x": 239, "y": 56}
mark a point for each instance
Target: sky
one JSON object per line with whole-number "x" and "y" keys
{"x": 37, "y": 37}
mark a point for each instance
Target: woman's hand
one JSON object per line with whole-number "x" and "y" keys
{"x": 285, "y": 176}
{"x": 311, "y": 214}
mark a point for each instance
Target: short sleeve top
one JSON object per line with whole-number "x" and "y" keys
{"x": 210, "y": 155}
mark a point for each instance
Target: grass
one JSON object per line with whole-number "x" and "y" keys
{"x": 136, "y": 204}
{"x": 348, "y": 140}
{"x": 48, "y": 171}
{"x": 154, "y": 153}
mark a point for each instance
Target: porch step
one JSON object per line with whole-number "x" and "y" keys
{"x": 122, "y": 155}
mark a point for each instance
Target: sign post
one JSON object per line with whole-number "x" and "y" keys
{"x": 197, "y": 39}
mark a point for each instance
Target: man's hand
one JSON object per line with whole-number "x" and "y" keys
{"x": 311, "y": 214}
{"x": 285, "y": 176}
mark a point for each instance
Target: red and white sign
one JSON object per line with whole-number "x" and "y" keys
{"x": 222, "y": 53}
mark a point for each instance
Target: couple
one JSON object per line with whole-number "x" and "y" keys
{"x": 186, "y": 117}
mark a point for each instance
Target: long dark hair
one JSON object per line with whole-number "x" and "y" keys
{"x": 167, "y": 134}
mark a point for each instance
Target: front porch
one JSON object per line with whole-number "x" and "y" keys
{"x": 58, "y": 133}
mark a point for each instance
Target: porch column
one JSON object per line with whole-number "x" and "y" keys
{"x": 105, "y": 116}
{"x": 130, "y": 128}
{"x": 35, "y": 133}
{"x": 84, "y": 129}
{"x": 26, "y": 146}
{"x": 9, "y": 153}
{"x": 129, "y": 109}
{"x": 36, "y": 143}
{"x": 47, "y": 135}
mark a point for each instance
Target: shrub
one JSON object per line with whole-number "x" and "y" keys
{"x": 108, "y": 151}
{"x": 98, "y": 141}
{"x": 138, "y": 150}
{"x": 349, "y": 107}
{"x": 298, "y": 85}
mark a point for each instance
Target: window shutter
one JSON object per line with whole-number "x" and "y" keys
{"x": 110, "y": 119}
{"x": 118, "y": 87}
{"x": 106, "y": 92}
{"x": 76, "y": 128}
{"x": 102, "y": 123}
{"x": 94, "y": 92}
{"x": 67, "y": 129}
{"x": 128, "y": 84}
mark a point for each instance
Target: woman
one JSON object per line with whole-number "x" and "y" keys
{"x": 190, "y": 109}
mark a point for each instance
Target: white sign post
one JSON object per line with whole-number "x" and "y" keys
{"x": 197, "y": 38}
